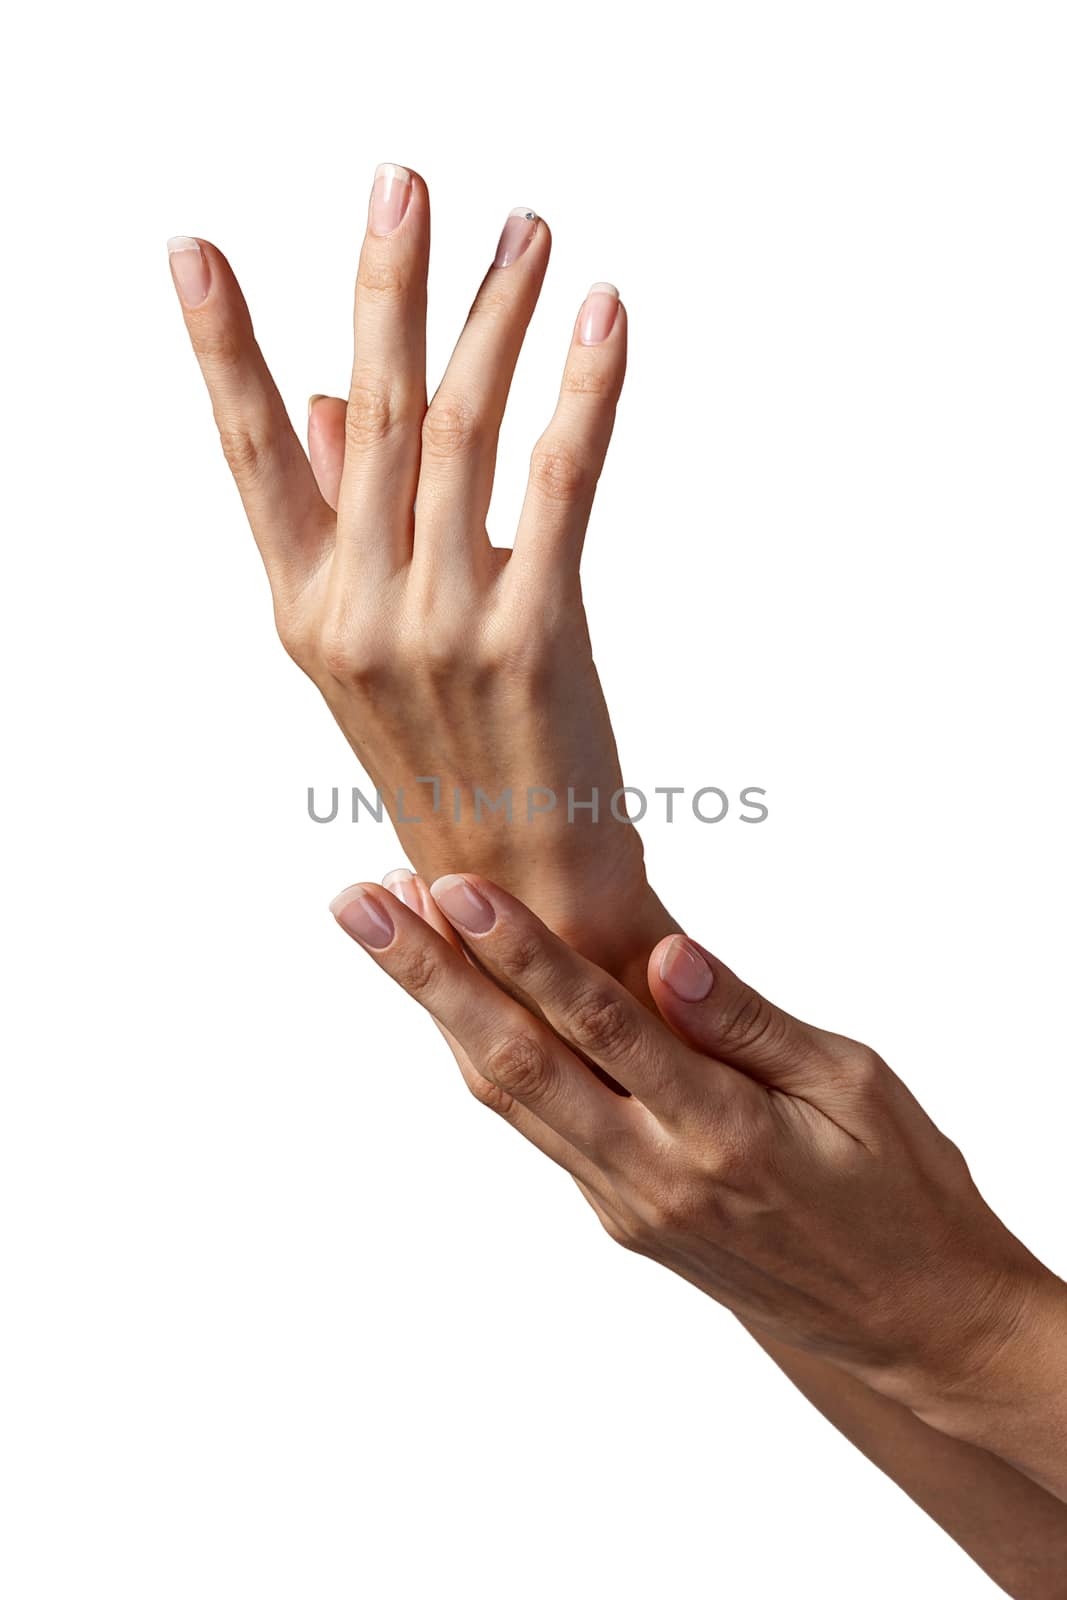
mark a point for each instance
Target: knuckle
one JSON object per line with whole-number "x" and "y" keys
{"x": 293, "y": 634}
{"x": 558, "y": 472}
{"x": 379, "y": 276}
{"x": 601, "y": 1023}
{"x": 532, "y": 657}
{"x": 523, "y": 956}
{"x": 518, "y": 1064}
{"x": 450, "y": 427}
{"x": 735, "y": 1153}
{"x": 866, "y": 1069}
{"x": 420, "y": 971}
{"x": 370, "y": 415}
{"x": 587, "y": 378}
{"x": 220, "y": 346}
{"x": 335, "y": 652}
{"x": 747, "y": 1022}
{"x": 616, "y": 1232}
{"x": 244, "y": 450}
{"x": 442, "y": 653}
{"x": 348, "y": 652}
{"x": 643, "y": 1232}
{"x": 493, "y": 304}
{"x": 430, "y": 645}
{"x": 492, "y": 1096}
{"x": 852, "y": 1069}
{"x": 638, "y": 1237}
{"x": 513, "y": 652}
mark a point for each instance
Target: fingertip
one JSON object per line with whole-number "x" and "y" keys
{"x": 601, "y": 313}
{"x": 190, "y": 269}
{"x": 402, "y": 883}
{"x": 360, "y": 911}
{"x": 463, "y": 903}
{"x": 342, "y": 898}
{"x": 682, "y": 968}
{"x": 656, "y": 956}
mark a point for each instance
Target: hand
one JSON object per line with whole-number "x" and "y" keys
{"x": 784, "y": 1170}
{"x": 439, "y": 655}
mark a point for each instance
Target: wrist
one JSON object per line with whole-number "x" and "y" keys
{"x": 625, "y": 924}
{"x": 586, "y": 883}
{"x": 1010, "y": 1392}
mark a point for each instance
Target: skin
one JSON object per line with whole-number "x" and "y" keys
{"x": 439, "y": 654}
{"x": 786, "y": 1172}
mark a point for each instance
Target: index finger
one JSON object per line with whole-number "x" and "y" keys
{"x": 507, "y": 1045}
{"x": 288, "y": 516}
{"x": 583, "y": 1004}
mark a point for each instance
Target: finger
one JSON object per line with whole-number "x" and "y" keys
{"x": 568, "y": 459}
{"x": 387, "y": 398}
{"x": 710, "y": 1008}
{"x": 512, "y": 1049}
{"x": 326, "y": 444}
{"x": 412, "y": 892}
{"x": 584, "y": 1005}
{"x": 462, "y": 425}
{"x": 551, "y": 1144}
{"x": 288, "y": 516}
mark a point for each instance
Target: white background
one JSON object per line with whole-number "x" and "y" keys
{"x": 287, "y": 1314}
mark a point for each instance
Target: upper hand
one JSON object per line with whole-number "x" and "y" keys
{"x": 440, "y": 655}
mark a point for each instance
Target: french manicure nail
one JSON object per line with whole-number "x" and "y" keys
{"x": 312, "y": 401}
{"x": 683, "y": 969}
{"x": 461, "y": 903}
{"x": 401, "y": 883}
{"x": 191, "y": 273}
{"x": 598, "y": 313}
{"x": 518, "y": 230}
{"x": 389, "y": 197}
{"x": 365, "y": 919}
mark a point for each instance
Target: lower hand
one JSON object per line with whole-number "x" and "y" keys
{"x": 784, "y": 1170}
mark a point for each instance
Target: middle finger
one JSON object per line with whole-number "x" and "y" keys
{"x": 387, "y": 398}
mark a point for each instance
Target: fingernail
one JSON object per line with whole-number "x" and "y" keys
{"x": 389, "y": 197}
{"x": 365, "y": 919}
{"x": 311, "y": 401}
{"x": 188, "y": 264}
{"x": 519, "y": 229}
{"x": 403, "y": 884}
{"x": 598, "y": 313}
{"x": 683, "y": 969}
{"x": 463, "y": 904}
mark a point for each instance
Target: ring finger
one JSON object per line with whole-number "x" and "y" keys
{"x": 462, "y": 425}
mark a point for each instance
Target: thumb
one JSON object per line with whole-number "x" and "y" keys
{"x": 712, "y": 1010}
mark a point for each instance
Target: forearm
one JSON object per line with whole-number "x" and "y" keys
{"x": 1014, "y": 1404}
{"x": 993, "y": 1474}
{"x": 1015, "y": 1530}
{"x": 832, "y": 1241}
{"x": 1002, "y": 1497}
